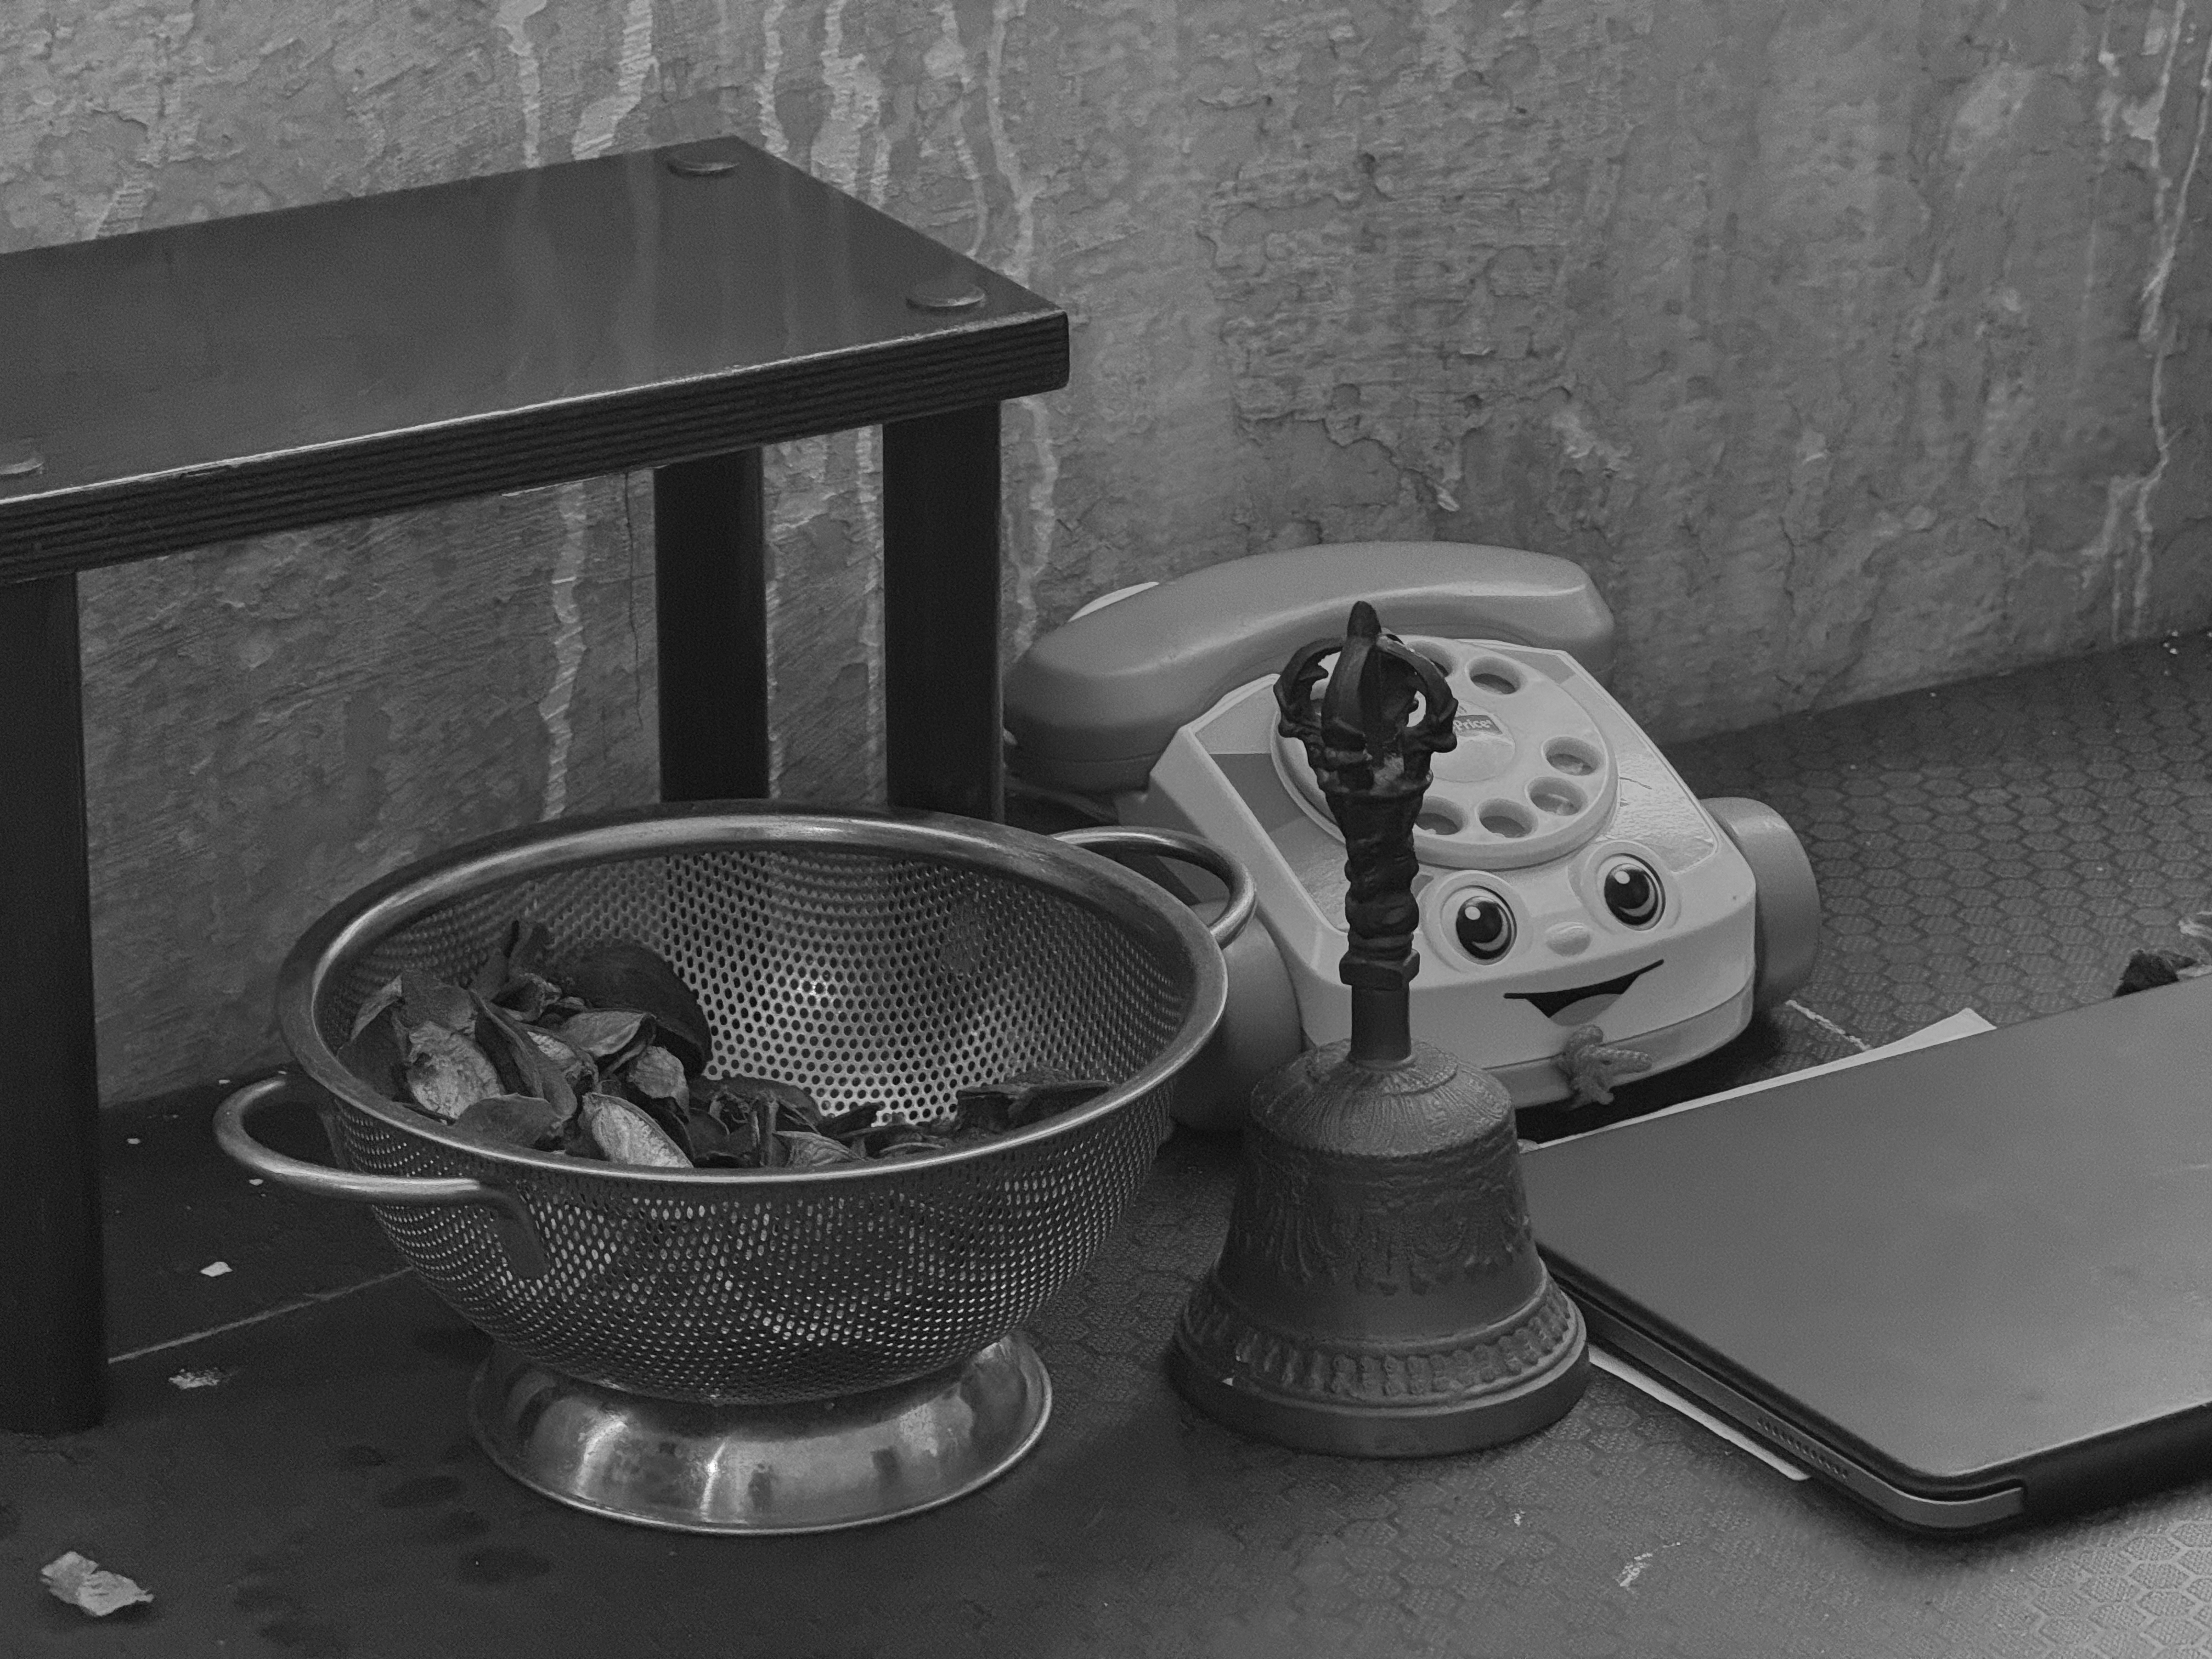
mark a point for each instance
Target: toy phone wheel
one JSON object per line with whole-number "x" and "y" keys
{"x": 1787, "y": 908}
{"x": 1260, "y": 1030}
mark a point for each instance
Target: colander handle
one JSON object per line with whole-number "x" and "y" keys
{"x": 1174, "y": 844}
{"x": 525, "y": 1252}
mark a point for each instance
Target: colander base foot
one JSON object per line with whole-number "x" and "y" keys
{"x": 814, "y": 1465}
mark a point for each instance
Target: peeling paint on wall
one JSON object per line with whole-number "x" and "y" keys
{"x": 1030, "y": 556}
{"x": 1843, "y": 343}
{"x": 2170, "y": 218}
{"x": 567, "y": 634}
{"x": 595, "y": 128}
{"x": 513, "y": 19}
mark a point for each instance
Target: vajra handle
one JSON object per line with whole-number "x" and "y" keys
{"x": 1372, "y": 757}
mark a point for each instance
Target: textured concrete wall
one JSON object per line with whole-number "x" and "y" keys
{"x": 1846, "y": 341}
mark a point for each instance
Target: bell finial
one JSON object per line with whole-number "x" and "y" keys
{"x": 1371, "y": 758}
{"x": 1380, "y": 1294}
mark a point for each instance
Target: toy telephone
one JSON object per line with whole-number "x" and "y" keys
{"x": 1569, "y": 880}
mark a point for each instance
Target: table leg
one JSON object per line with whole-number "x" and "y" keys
{"x": 53, "y": 1364}
{"x": 941, "y": 699}
{"x": 709, "y": 548}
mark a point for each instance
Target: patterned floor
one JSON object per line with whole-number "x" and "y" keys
{"x": 2005, "y": 843}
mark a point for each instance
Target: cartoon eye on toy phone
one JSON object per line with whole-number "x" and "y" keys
{"x": 1569, "y": 877}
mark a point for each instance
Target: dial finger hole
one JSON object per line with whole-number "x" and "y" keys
{"x": 1556, "y": 796}
{"x": 1503, "y": 818}
{"x": 1440, "y": 819}
{"x": 1577, "y": 760}
{"x": 1491, "y": 674}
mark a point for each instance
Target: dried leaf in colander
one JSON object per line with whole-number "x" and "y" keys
{"x": 626, "y": 975}
{"x": 425, "y": 1000}
{"x": 805, "y": 1149}
{"x": 447, "y": 1074}
{"x": 576, "y": 1139}
{"x": 377, "y": 1055}
{"x": 709, "y": 1142}
{"x": 521, "y": 1120}
{"x": 658, "y": 1073}
{"x": 527, "y": 996}
{"x": 765, "y": 1112}
{"x": 527, "y": 945}
{"x": 513, "y": 1078}
{"x": 537, "y": 1073}
{"x": 601, "y": 1032}
{"x": 875, "y": 1142}
{"x": 575, "y": 1065}
{"x": 666, "y": 1113}
{"x": 627, "y": 1135}
{"x": 521, "y": 949}
{"x": 759, "y": 1110}
{"x": 936, "y": 1135}
{"x": 845, "y": 1125}
{"x": 787, "y": 1098}
{"x": 490, "y": 974}
{"x": 1027, "y": 1097}
{"x": 735, "y": 1127}
{"x": 382, "y": 997}
{"x": 723, "y": 1160}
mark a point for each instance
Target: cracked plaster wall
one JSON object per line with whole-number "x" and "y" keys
{"x": 1846, "y": 341}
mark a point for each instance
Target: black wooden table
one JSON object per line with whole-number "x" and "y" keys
{"x": 674, "y": 309}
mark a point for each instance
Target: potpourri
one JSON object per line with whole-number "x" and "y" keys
{"x": 603, "y": 1055}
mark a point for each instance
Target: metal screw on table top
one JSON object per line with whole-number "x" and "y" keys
{"x": 951, "y": 292}
{"x": 704, "y": 163}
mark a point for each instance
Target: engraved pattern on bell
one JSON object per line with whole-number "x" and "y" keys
{"x": 1221, "y": 1334}
{"x": 1317, "y": 1213}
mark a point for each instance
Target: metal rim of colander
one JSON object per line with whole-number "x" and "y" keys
{"x": 373, "y": 912}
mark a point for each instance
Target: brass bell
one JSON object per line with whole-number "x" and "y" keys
{"x": 1380, "y": 1294}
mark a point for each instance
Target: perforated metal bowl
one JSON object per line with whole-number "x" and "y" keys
{"x": 876, "y": 960}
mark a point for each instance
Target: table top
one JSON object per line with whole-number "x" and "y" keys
{"x": 237, "y": 376}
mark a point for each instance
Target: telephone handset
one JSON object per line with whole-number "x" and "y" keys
{"x": 1091, "y": 705}
{"x": 1570, "y": 880}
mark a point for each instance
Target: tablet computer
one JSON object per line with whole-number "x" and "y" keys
{"x": 1964, "y": 1283}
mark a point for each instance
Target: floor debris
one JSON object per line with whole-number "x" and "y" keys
{"x": 214, "y": 1270}
{"x": 85, "y": 1584}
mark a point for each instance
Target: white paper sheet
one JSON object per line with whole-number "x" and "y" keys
{"x": 1605, "y": 1360}
{"x": 1965, "y": 1023}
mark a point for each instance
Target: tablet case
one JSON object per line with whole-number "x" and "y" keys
{"x": 1967, "y": 1283}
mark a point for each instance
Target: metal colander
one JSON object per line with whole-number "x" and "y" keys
{"x": 871, "y": 959}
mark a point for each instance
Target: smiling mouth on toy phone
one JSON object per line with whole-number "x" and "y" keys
{"x": 1578, "y": 1003}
